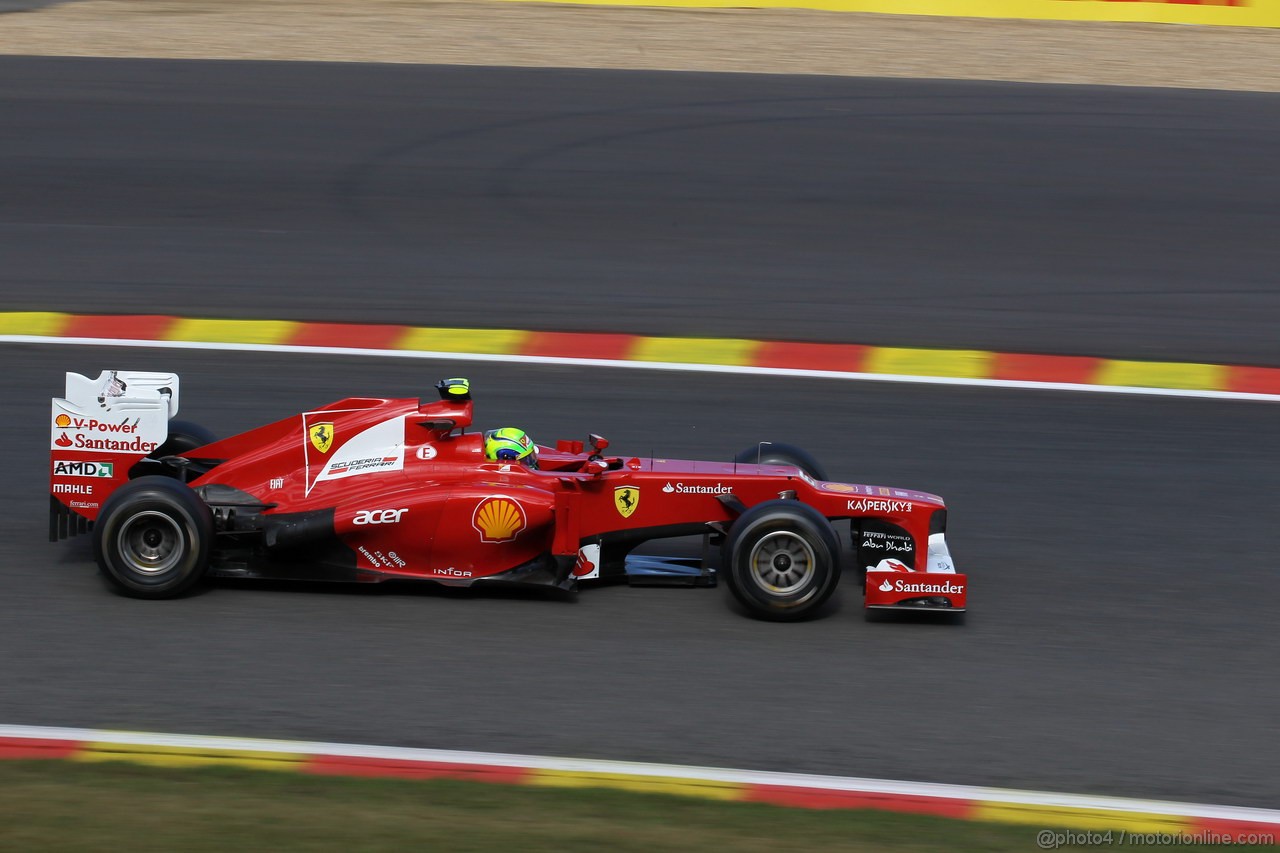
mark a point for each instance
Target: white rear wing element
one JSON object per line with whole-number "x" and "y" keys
{"x": 122, "y": 411}
{"x": 123, "y": 391}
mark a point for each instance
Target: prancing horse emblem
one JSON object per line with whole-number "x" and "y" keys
{"x": 321, "y": 436}
{"x": 626, "y": 499}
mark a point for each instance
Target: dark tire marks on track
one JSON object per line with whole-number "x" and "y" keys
{"x": 1101, "y": 221}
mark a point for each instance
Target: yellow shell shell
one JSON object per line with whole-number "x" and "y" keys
{"x": 499, "y": 519}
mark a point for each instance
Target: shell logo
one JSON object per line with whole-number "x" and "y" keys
{"x": 62, "y": 421}
{"x": 498, "y": 519}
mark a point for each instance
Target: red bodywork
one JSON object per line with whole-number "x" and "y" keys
{"x": 406, "y": 491}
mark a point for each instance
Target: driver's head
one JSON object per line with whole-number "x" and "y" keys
{"x": 510, "y": 445}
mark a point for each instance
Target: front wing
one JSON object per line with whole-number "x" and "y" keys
{"x": 916, "y": 590}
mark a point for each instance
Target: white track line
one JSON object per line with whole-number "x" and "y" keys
{"x": 666, "y": 771}
{"x": 1006, "y": 384}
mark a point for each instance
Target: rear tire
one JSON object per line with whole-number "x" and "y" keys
{"x": 184, "y": 436}
{"x": 152, "y": 538}
{"x": 781, "y": 560}
{"x": 783, "y": 454}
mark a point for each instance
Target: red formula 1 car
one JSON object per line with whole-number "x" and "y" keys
{"x": 371, "y": 489}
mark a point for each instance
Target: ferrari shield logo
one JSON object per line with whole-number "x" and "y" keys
{"x": 626, "y": 499}
{"x": 321, "y": 436}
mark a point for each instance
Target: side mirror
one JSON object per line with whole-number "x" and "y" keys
{"x": 454, "y": 389}
{"x": 595, "y": 467}
{"x": 598, "y": 442}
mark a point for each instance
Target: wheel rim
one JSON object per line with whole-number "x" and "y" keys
{"x": 782, "y": 563}
{"x": 151, "y": 542}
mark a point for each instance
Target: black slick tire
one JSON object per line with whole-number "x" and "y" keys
{"x": 781, "y": 560}
{"x": 184, "y": 436}
{"x": 782, "y": 454}
{"x": 152, "y": 538}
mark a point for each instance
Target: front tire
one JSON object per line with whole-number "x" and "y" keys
{"x": 152, "y": 538}
{"x": 781, "y": 560}
{"x": 783, "y": 454}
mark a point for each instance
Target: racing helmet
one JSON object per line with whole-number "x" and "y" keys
{"x": 510, "y": 445}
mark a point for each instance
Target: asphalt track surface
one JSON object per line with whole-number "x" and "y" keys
{"x": 29, "y": 5}
{"x": 1126, "y": 223}
{"x": 1122, "y": 639}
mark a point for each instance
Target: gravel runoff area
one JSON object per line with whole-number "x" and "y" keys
{"x": 485, "y": 32}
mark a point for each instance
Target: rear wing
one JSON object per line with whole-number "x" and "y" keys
{"x": 98, "y": 432}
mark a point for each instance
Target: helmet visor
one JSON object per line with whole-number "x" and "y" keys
{"x": 510, "y": 454}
